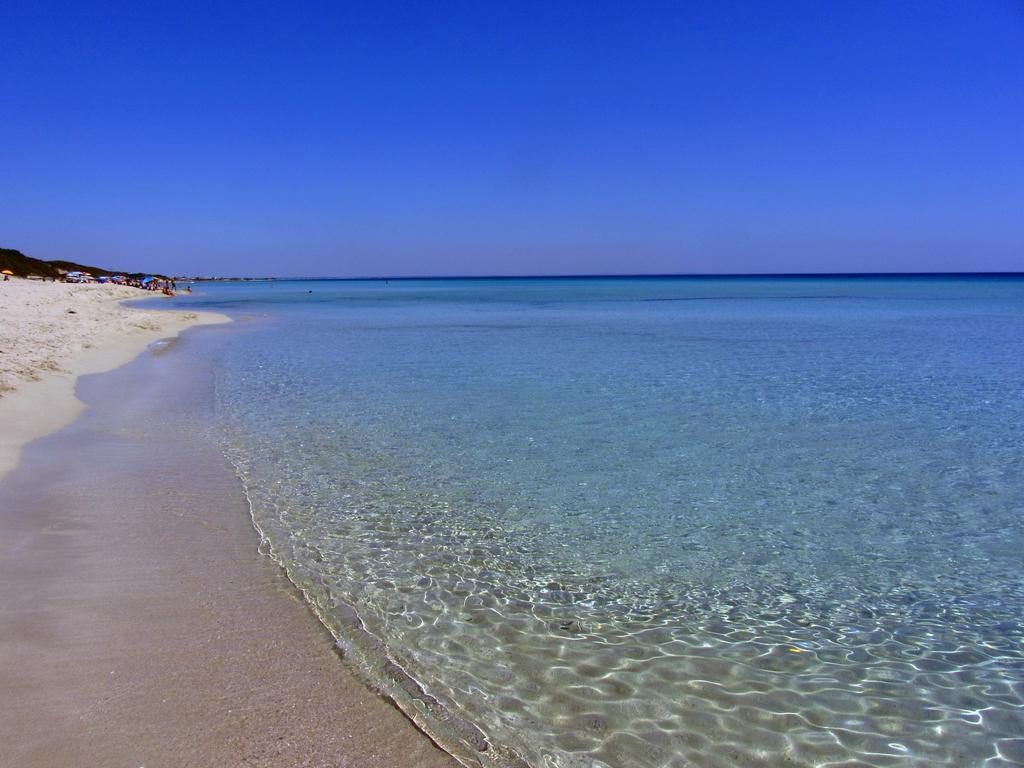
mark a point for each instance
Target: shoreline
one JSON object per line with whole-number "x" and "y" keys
{"x": 39, "y": 398}
{"x": 141, "y": 623}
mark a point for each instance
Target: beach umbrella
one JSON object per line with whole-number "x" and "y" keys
{"x": 6, "y": 272}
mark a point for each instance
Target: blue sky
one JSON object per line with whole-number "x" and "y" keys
{"x": 520, "y": 138}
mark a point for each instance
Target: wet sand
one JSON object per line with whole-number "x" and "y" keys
{"x": 139, "y": 626}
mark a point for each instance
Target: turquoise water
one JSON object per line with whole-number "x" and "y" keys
{"x": 652, "y": 522}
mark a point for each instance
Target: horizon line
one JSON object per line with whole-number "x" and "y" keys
{"x": 627, "y": 275}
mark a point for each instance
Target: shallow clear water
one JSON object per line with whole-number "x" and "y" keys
{"x": 653, "y": 522}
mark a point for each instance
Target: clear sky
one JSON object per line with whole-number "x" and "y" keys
{"x": 514, "y": 138}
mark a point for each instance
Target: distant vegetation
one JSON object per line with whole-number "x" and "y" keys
{"x": 24, "y": 266}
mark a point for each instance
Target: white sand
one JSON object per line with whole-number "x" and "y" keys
{"x": 52, "y": 333}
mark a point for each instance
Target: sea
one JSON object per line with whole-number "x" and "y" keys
{"x": 650, "y": 521}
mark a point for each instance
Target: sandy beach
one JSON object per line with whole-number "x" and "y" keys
{"x": 51, "y": 334}
{"x": 139, "y": 624}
